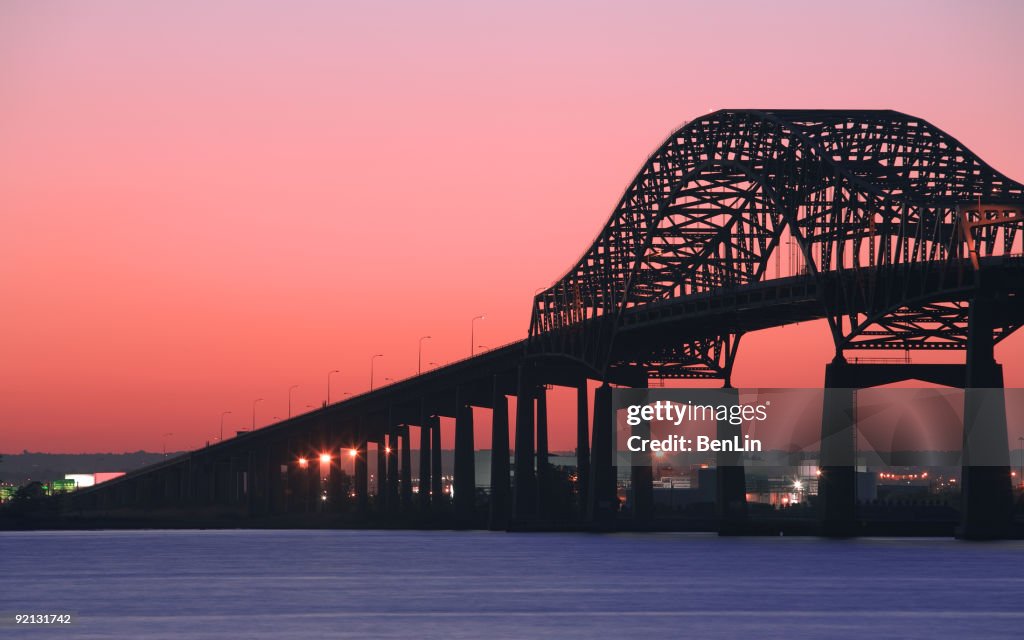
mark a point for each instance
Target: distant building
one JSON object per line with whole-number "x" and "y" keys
{"x": 82, "y": 480}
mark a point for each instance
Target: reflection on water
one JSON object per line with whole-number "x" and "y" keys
{"x": 380, "y": 584}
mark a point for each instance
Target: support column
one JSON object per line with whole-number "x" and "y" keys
{"x": 314, "y": 482}
{"x": 642, "y": 477}
{"x": 362, "y": 473}
{"x": 499, "y": 460}
{"x": 406, "y": 454}
{"x": 382, "y": 473}
{"x": 465, "y": 464}
{"x": 544, "y": 497}
{"x": 251, "y": 466}
{"x": 525, "y": 492}
{"x": 986, "y": 501}
{"x": 392, "y": 457}
{"x": 424, "y": 494}
{"x": 603, "y": 503}
{"x": 582, "y": 446}
{"x": 188, "y": 483}
{"x": 278, "y": 486}
{"x": 299, "y": 481}
{"x": 436, "y": 468}
{"x": 336, "y": 493}
{"x": 837, "y": 486}
{"x": 730, "y": 478}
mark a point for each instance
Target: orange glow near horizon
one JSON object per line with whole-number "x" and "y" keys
{"x": 208, "y": 204}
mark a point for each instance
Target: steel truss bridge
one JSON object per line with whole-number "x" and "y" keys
{"x": 876, "y": 221}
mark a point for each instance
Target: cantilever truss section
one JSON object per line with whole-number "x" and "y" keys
{"x": 890, "y": 217}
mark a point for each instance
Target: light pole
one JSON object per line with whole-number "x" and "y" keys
{"x": 294, "y": 386}
{"x": 419, "y": 356}
{"x": 329, "y": 384}
{"x": 222, "y": 424}
{"x": 171, "y": 434}
{"x": 254, "y": 412}
{"x": 379, "y": 355}
{"x": 472, "y": 334}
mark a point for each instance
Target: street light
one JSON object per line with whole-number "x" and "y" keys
{"x": 379, "y": 355}
{"x": 222, "y": 424}
{"x": 171, "y": 434}
{"x": 294, "y": 386}
{"x": 329, "y": 384}
{"x": 419, "y": 356}
{"x": 254, "y": 412}
{"x": 472, "y": 334}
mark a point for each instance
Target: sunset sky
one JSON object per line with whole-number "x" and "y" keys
{"x": 204, "y": 203}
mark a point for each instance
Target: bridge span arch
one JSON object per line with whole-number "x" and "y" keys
{"x": 888, "y": 218}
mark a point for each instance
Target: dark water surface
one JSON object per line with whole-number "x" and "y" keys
{"x": 412, "y": 584}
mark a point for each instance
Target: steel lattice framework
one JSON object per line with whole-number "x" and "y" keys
{"x": 892, "y": 217}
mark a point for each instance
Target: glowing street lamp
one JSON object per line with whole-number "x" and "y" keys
{"x": 303, "y": 463}
{"x": 325, "y": 458}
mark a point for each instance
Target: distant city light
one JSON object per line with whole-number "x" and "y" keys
{"x": 353, "y": 453}
{"x": 798, "y": 485}
{"x": 303, "y": 463}
{"x": 325, "y": 458}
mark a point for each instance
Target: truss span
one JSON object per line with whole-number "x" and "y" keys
{"x": 740, "y": 197}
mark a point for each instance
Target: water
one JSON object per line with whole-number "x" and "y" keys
{"x": 476, "y": 585}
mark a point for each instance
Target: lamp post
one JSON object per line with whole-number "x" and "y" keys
{"x": 472, "y": 334}
{"x": 222, "y": 424}
{"x": 171, "y": 434}
{"x": 294, "y": 386}
{"x": 419, "y": 356}
{"x": 254, "y": 412}
{"x": 379, "y": 355}
{"x": 329, "y": 374}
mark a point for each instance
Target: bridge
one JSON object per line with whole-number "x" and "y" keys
{"x": 876, "y": 221}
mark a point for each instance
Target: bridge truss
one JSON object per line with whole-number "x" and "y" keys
{"x": 892, "y": 219}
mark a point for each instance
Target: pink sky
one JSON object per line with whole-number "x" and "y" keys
{"x": 206, "y": 205}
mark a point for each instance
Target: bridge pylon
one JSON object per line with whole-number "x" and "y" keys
{"x": 986, "y": 486}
